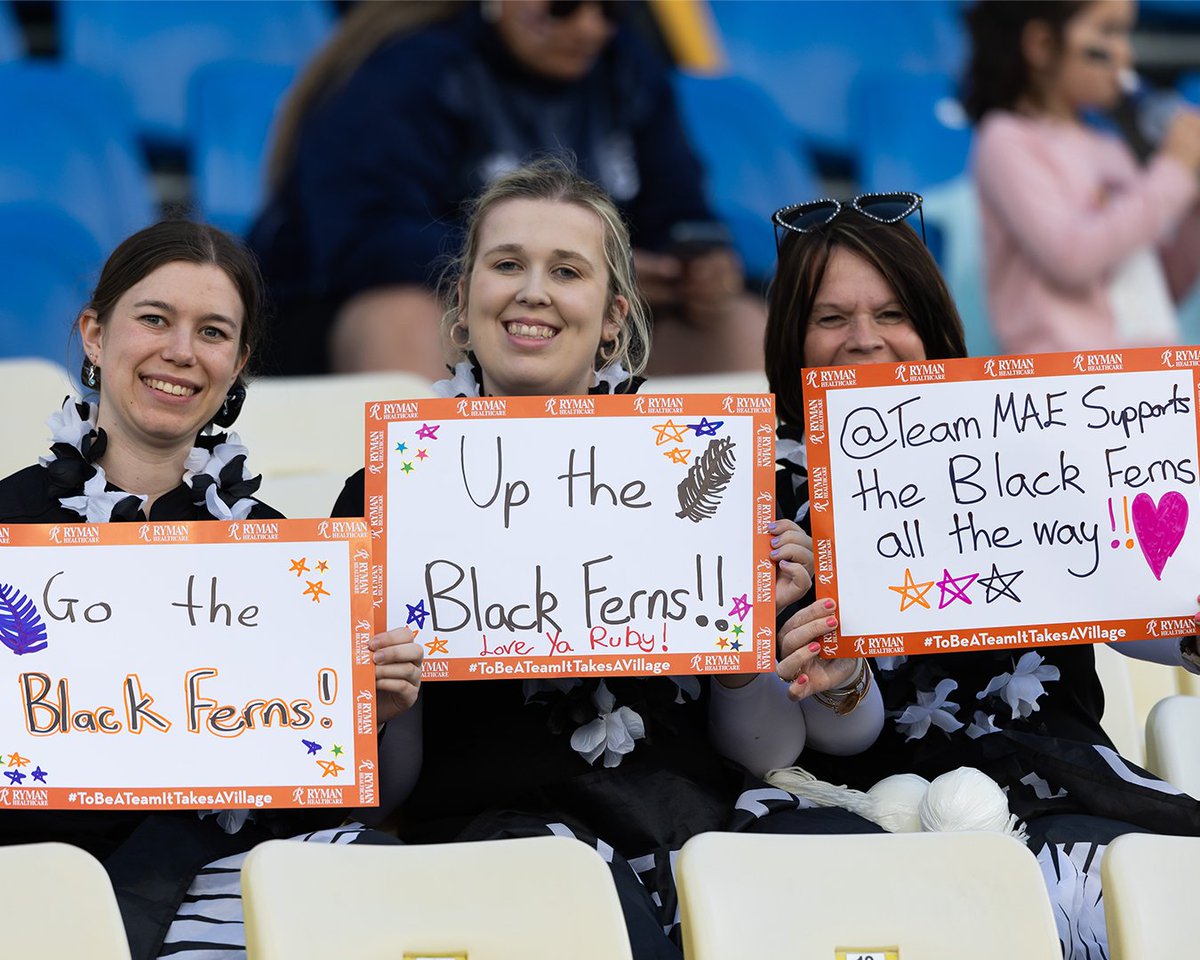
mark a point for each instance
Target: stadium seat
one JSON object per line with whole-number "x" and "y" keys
{"x": 808, "y": 55}
{"x": 1146, "y": 880}
{"x": 283, "y": 414}
{"x": 12, "y": 41}
{"x": 48, "y": 263}
{"x": 1120, "y": 720}
{"x": 30, "y": 386}
{"x": 539, "y": 898}
{"x": 910, "y": 130}
{"x": 938, "y": 896}
{"x": 154, "y": 48}
{"x": 76, "y": 149}
{"x": 230, "y": 109}
{"x": 753, "y": 156}
{"x": 1172, "y": 749}
{"x": 58, "y": 899}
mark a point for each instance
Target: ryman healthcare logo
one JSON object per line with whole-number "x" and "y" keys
{"x": 1009, "y": 367}
{"x": 920, "y": 372}
{"x": 656, "y": 406}
{"x": 835, "y": 377}
{"x": 482, "y": 407}
{"x": 570, "y": 406}
{"x": 1181, "y": 357}
{"x": 1171, "y": 627}
{"x": 248, "y": 531}
{"x": 75, "y": 534}
{"x": 1098, "y": 362}
{"x": 163, "y": 532}
{"x": 402, "y": 410}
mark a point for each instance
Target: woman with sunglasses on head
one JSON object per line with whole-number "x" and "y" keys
{"x": 855, "y": 285}
{"x": 167, "y": 336}
{"x": 439, "y": 99}
{"x": 541, "y": 301}
{"x": 1085, "y": 248}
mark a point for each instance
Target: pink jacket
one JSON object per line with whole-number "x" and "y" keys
{"x": 1062, "y": 207}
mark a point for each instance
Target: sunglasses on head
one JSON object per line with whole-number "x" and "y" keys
{"x": 565, "y": 9}
{"x": 881, "y": 207}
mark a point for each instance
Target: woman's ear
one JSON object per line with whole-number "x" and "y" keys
{"x": 1038, "y": 46}
{"x": 91, "y": 333}
{"x": 618, "y": 313}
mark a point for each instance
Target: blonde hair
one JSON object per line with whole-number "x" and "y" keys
{"x": 555, "y": 179}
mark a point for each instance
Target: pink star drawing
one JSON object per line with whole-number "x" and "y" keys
{"x": 427, "y": 432}
{"x": 953, "y": 588}
{"x": 421, "y": 454}
{"x": 741, "y": 607}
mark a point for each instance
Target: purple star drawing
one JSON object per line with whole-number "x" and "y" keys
{"x": 953, "y": 588}
{"x": 706, "y": 427}
{"x": 313, "y": 746}
{"x": 427, "y": 432}
{"x": 741, "y": 607}
{"x": 16, "y": 776}
{"x": 39, "y": 775}
{"x": 417, "y": 615}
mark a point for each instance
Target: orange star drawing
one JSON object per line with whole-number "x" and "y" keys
{"x": 678, "y": 455}
{"x": 722, "y": 642}
{"x": 912, "y": 593}
{"x": 331, "y": 768}
{"x": 669, "y": 432}
{"x": 322, "y": 566}
{"x": 316, "y": 590}
{"x": 16, "y": 760}
{"x": 436, "y": 645}
{"x": 299, "y": 566}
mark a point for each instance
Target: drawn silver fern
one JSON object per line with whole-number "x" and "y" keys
{"x": 700, "y": 491}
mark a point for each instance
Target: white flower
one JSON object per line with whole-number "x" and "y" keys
{"x": 688, "y": 685}
{"x": 1022, "y": 688}
{"x": 96, "y": 504}
{"x": 200, "y": 461}
{"x": 887, "y": 664}
{"x": 983, "y": 725}
{"x": 931, "y": 708}
{"x": 612, "y": 733}
{"x": 66, "y": 426}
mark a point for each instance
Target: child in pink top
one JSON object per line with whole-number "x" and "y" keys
{"x": 1085, "y": 248}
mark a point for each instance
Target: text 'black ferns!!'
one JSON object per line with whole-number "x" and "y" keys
{"x": 21, "y": 627}
{"x": 700, "y": 491}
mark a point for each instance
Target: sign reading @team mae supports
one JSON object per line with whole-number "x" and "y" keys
{"x": 186, "y": 665}
{"x": 543, "y": 537}
{"x": 1005, "y": 501}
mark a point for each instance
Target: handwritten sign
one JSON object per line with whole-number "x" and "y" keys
{"x": 545, "y": 537}
{"x": 186, "y": 665}
{"x": 1006, "y": 501}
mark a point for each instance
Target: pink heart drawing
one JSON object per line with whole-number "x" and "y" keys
{"x": 1159, "y": 529}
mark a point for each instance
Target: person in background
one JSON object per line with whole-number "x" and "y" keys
{"x": 1085, "y": 249}
{"x": 413, "y": 108}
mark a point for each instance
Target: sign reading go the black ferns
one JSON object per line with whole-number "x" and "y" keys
{"x": 700, "y": 491}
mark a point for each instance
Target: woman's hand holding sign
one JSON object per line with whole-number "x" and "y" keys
{"x": 397, "y": 671}
{"x": 800, "y": 660}
{"x": 792, "y": 551}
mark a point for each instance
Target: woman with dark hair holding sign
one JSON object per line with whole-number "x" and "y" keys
{"x": 542, "y": 302}
{"x": 166, "y": 336}
{"x": 856, "y": 285}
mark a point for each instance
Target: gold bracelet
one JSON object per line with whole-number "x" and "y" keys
{"x": 843, "y": 700}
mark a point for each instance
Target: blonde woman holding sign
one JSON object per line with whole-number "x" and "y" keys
{"x": 167, "y": 336}
{"x": 543, "y": 302}
{"x": 856, "y": 285}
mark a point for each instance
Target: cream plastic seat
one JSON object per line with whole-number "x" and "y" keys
{"x": 539, "y": 898}
{"x": 57, "y": 900}
{"x": 1146, "y": 880}
{"x": 1120, "y": 719}
{"x": 306, "y": 435}
{"x": 1172, "y": 749}
{"x": 27, "y": 388}
{"x": 937, "y": 896}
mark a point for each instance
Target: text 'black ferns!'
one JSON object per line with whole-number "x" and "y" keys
{"x": 700, "y": 491}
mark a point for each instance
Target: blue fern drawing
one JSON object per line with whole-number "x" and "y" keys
{"x": 21, "y": 627}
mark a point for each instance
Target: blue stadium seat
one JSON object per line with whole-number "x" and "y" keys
{"x": 753, "y": 156}
{"x": 230, "y": 109}
{"x": 910, "y": 131}
{"x": 807, "y": 55}
{"x": 12, "y": 40}
{"x": 48, "y": 264}
{"x": 154, "y": 48}
{"x": 1189, "y": 87}
{"x": 75, "y": 149}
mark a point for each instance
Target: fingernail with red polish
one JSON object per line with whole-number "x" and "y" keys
{"x": 831, "y": 621}
{"x": 814, "y": 647}
{"x": 828, "y": 604}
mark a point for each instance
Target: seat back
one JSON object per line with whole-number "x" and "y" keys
{"x": 539, "y": 898}
{"x": 59, "y": 897}
{"x": 937, "y": 896}
{"x": 1143, "y": 877}
{"x": 1120, "y": 720}
{"x": 1172, "y": 751}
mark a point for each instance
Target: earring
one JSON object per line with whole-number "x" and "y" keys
{"x": 608, "y": 352}
{"x": 89, "y": 373}
{"x": 460, "y": 336}
{"x": 232, "y": 406}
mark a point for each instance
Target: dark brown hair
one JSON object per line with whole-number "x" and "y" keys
{"x": 172, "y": 241}
{"x": 891, "y": 248}
{"x": 998, "y": 74}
